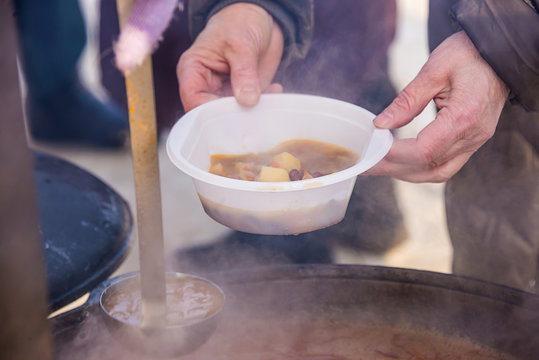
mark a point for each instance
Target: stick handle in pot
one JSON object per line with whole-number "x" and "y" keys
{"x": 143, "y": 130}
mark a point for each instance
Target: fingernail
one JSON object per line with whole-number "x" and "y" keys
{"x": 248, "y": 96}
{"x": 383, "y": 120}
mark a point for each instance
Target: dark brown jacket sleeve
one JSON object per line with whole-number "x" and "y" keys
{"x": 506, "y": 34}
{"x": 295, "y": 18}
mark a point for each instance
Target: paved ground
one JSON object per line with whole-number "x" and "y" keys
{"x": 427, "y": 246}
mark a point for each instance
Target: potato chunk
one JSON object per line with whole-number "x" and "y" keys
{"x": 270, "y": 174}
{"x": 286, "y": 161}
{"x": 217, "y": 169}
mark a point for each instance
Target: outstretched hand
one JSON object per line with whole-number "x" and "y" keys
{"x": 470, "y": 97}
{"x": 238, "y": 53}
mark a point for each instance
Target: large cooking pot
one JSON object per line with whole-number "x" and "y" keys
{"x": 340, "y": 312}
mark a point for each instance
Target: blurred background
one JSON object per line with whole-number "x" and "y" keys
{"x": 426, "y": 245}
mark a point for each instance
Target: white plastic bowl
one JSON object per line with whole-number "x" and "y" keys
{"x": 274, "y": 208}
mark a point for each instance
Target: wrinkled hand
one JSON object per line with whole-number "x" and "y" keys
{"x": 470, "y": 97}
{"x": 238, "y": 52}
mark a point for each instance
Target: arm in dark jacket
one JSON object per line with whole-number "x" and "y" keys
{"x": 294, "y": 17}
{"x": 506, "y": 34}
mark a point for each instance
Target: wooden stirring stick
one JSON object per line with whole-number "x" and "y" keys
{"x": 143, "y": 129}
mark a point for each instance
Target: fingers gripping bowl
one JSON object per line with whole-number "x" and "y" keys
{"x": 274, "y": 208}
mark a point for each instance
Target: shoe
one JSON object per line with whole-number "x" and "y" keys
{"x": 74, "y": 115}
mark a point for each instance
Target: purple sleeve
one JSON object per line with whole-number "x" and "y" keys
{"x": 142, "y": 32}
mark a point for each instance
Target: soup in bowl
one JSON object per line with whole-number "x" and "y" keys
{"x": 275, "y": 206}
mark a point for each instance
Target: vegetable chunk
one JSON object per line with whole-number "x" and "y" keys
{"x": 286, "y": 161}
{"x": 272, "y": 174}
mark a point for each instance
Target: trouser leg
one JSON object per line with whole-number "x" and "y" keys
{"x": 493, "y": 206}
{"x": 59, "y": 107}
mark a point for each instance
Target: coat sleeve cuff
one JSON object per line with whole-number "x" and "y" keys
{"x": 506, "y": 34}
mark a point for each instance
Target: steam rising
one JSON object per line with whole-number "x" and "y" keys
{"x": 330, "y": 313}
{"x": 348, "y": 55}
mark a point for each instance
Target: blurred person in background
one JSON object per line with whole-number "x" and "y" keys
{"x": 482, "y": 76}
{"x": 345, "y": 62}
{"x": 59, "y": 108}
{"x": 492, "y": 202}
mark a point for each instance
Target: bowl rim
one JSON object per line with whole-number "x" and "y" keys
{"x": 178, "y": 133}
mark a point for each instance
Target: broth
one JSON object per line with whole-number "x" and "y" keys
{"x": 248, "y": 338}
{"x": 188, "y": 301}
{"x": 288, "y": 161}
{"x": 322, "y": 340}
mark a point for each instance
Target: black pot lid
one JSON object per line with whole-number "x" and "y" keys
{"x": 85, "y": 226}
